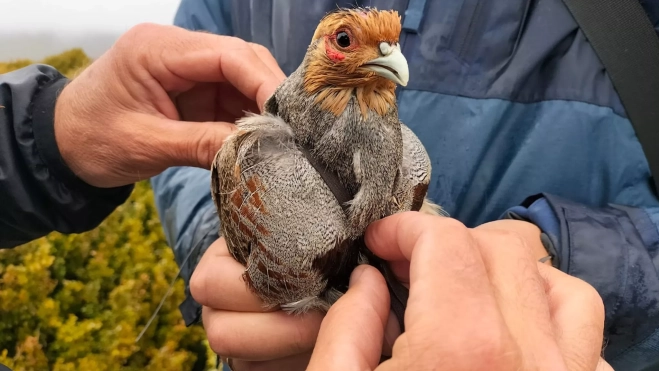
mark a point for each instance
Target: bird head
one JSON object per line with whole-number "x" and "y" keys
{"x": 356, "y": 51}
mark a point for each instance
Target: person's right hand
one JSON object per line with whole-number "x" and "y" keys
{"x": 461, "y": 272}
{"x": 161, "y": 96}
{"x": 479, "y": 300}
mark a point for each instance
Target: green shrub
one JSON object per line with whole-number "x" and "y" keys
{"x": 78, "y": 302}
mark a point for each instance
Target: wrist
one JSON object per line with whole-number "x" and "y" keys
{"x": 44, "y": 117}
{"x": 53, "y": 112}
{"x": 71, "y": 137}
{"x": 64, "y": 141}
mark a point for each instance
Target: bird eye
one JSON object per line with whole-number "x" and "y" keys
{"x": 343, "y": 39}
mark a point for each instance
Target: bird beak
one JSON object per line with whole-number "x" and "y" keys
{"x": 392, "y": 65}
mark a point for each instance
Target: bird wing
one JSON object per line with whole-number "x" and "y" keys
{"x": 277, "y": 215}
{"x": 414, "y": 175}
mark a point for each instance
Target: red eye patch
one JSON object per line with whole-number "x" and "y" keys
{"x": 332, "y": 54}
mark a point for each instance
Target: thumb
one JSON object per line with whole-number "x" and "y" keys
{"x": 351, "y": 334}
{"x": 191, "y": 143}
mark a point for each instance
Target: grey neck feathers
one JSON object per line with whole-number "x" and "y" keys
{"x": 334, "y": 140}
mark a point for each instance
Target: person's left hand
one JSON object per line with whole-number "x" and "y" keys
{"x": 162, "y": 96}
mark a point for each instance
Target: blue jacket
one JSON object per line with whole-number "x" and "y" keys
{"x": 510, "y": 101}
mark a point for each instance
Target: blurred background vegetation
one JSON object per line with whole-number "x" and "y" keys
{"x": 78, "y": 302}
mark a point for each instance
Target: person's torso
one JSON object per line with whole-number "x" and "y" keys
{"x": 508, "y": 98}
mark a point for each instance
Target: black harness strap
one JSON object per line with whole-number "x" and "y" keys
{"x": 628, "y": 46}
{"x": 397, "y": 291}
{"x": 331, "y": 179}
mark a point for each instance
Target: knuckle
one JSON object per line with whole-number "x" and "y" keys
{"x": 301, "y": 341}
{"x": 260, "y": 48}
{"x": 514, "y": 242}
{"x": 450, "y": 226}
{"x": 489, "y": 346}
{"x": 494, "y": 353}
{"x": 512, "y": 239}
{"x": 197, "y": 286}
{"x": 143, "y": 29}
{"x": 205, "y": 147}
{"x": 303, "y": 338}
{"x": 195, "y": 149}
{"x": 137, "y": 41}
{"x": 431, "y": 224}
{"x": 591, "y": 297}
{"x": 220, "y": 342}
{"x": 223, "y": 337}
{"x": 449, "y": 223}
{"x": 236, "y": 43}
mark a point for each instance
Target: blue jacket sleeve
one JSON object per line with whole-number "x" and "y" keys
{"x": 615, "y": 249}
{"x": 182, "y": 194}
{"x": 39, "y": 194}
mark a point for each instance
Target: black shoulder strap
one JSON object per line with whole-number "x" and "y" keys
{"x": 628, "y": 47}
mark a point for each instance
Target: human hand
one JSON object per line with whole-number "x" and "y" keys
{"x": 478, "y": 301}
{"x": 161, "y": 96}
{"x": 237, "y": 326}
{"x": 239, "y": 329}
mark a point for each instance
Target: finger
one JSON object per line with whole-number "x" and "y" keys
{"x": 450, "y": 293}
{"x": 578, "y": 315}
{"x": 269, "y": 60}
{"x": 393, "y": 238}
{"x": 175, "y": 143}
{"x": 351, "y": 334}
{"x": 213, "y": 102}
{"x": 292, "y": 363}
{"x": 158, "y": 143}
{"x": 521, "y": 297}
{"x": 217, "y": 282}
{"x": 198, "y": 104}
{"x": 260, "y": 336}
{"x": 231, "y": 105}
{"x": 179, "y": 58}
{"x": 401, "y": 270}
{"x": 391, "y": 333}
{"x": 433, "y": 242}
{"x": 223, "y": 102}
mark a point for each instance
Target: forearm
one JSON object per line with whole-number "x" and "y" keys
{"x": 39, "y": 193}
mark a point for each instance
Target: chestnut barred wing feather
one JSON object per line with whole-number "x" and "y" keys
{"x": 278, "y": 216}
{"x": 414, "y": 175}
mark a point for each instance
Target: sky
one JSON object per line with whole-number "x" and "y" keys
{"x": 83, "y": 15}
{"x": 36, "y": 28}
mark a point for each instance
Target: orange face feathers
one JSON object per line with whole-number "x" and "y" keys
{"x": 353, "y": 36}
{"x": 366, "y": 25}
{"x": 356, "y": 52}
